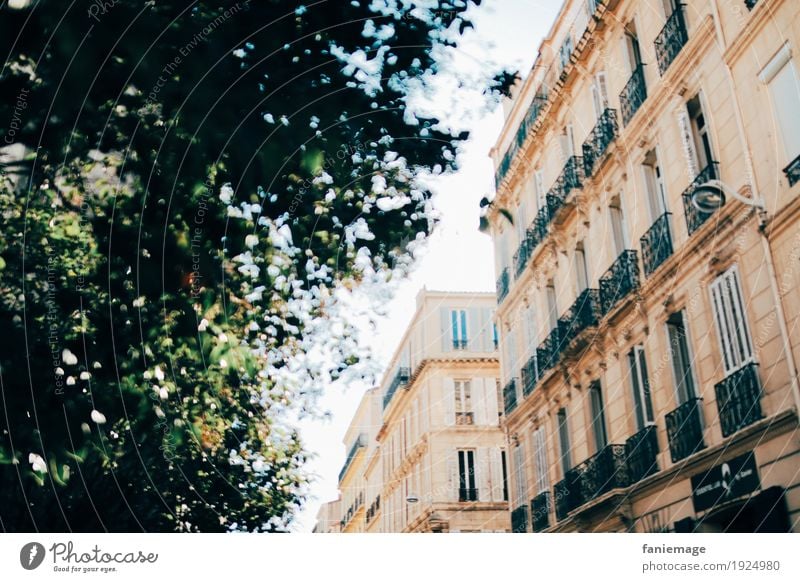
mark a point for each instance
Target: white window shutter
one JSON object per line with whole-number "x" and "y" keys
{"x": 478, "y": 401}
{"x": 685, "y": 127}
{"x": 482, "y": 479}
{"x": 492, "y": 410}
{"x": 496, "y": 473}
{"x": 446, "y": 329}
{"x": 448, "y": 395}
{"x": 452, "y": 476}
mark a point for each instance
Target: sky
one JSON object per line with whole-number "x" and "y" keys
{"x": 459, "y": 257}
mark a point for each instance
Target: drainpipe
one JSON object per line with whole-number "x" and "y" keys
{"x": 761, "y": 208}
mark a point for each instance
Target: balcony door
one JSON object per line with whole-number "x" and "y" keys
{"x": 552, "y": 306}
{"x": 467, "y": 491}
{"x": 599, "y": 94}
{"x": 700, "y": 149}
{"x": 655, "y": 188}
{"x": 618, "y": 230}
{"x": 563, "y": 441}
{"x": 598, "y": 420}
{"x": 633, "y": 51}
{"x": 581, "y": 268}
{"x": 640, "y": 383}
{"x": 681, "y": 358}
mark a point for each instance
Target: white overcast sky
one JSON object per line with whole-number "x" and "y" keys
{"x": 459, "y": 258}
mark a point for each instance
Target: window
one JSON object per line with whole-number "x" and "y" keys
{"x": 784, "y": 89}
{"x": 581, "y": 268}
{"x": 567, "y": 140}
{"x": 540, "y": 460}
{"x": 563, "y": 440}
{"x": 552, "y": 306}
{"x": 466, "y": 476}
{"x": 618, "y": 230}
{"x": 463, "y": 402}
{"x": 599, "y": 94}
{"x": 654, "y": 186}
{"x": 633, "y": 53}
{"x": 505, "y": 474}
{"x": 729, "y": 315}
{"x": 598, "y": 416}
{"x": 701, "y": 140}
{"x": 522, "y": 221}
{"x": 681, "y": 358}
{"x": 458, "y": 321}
{"x": 541, "y": 192}
{"x": 640, "y": 383}
{"x": 521, "y": 490}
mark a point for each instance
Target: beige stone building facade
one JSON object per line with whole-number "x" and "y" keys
{"x": 649, "y": 349}
{"x": 426, "y": 450}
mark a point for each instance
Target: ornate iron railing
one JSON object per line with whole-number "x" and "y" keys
{"x": 519, "y": 519}
{"x": 685, "y": 429}
{"x": 522, "y": 133}
{"x": 792, "y": 171}
{"x": 540, "y": 512}
{"x": 529, "y": 375}
{"x": 400, "y": 379}
{"x": 567, "y": 493}
{"x": 619, "y": 280}
{"x": 584, "y": 313}
{"x": 502, "y": 286}
{"x": 601, "y": 136}
{"x": 694, "y": 217}
{"x": 549, "y": 351}
{"x": 641, "y": 451}
{"x": 510, "y": 396}
{"x": 360, "y": 442}
{"x": 571, "y": 177}
{"x": 604, "y": 471}
{"x": 739, "y": 399}
{"x": 656, "y": 244}
{"x": 522, "y": 255}
{"x": 633, "y": 95}
{"x": 671, "y": 39}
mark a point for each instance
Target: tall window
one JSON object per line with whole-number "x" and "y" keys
{"x": 563, "y": 440}
{"x": 681, "y": 358}
{"x": 618, "y": 230}
{"x": 466, "y": 476}
{"x": 703, "y": 152}
{"x": 521, "y": 484}
{"x": 581, "y": 268}
{"x": 598, "y": 416}
{"x": 504, "y": 466}
{"x": 599, "y": 94}
{"x": 552, "y": 306}
{"x": 729, "y": 314}
{"x": 458, "y": 322}
{"x": 463, "y": 402}
{"x": 654, "y": 186}
{"x": 540, "y": 460}
{"x": 632, "y": 51}
{"x": 780, "y": 76}
{"x": 641, "y": 388}
{"x": 568, "y": 142}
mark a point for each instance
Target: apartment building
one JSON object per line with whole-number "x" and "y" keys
{"x": 427, "y": 453}
{"x": 329, "y": 517}
{"x": 648, "y": 284}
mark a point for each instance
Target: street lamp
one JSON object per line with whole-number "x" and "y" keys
{"x": 412, "y": 498}
{"x": 711, "y": 196}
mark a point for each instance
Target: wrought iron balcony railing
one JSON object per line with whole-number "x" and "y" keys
{"x": 540, "y": 512}
{"x": 510, "y": 396}
{"x": 571, "y": 177}
{"x": 519, "y": 519}
{"x": 694, "y": 217}
{"x": 467, "y": 494}
{"x": 523, "y": 130}
{"x": 641, "y": 451}
{"x": 549, "y": 351}
{"x": 621, "y": 278}
{"x": 657, "y": 244}
{"x": 604, "y": 471}
{"x": 583, "y": 314}
{"x": 739, "y": 399}
{"x": 502, "y": 286}
{"x": 529, "y": 375}
{"x": 595, "y": 146}
{"x": 538, "y": 229}
{"x": 523, "y": 254}
{"x": 567, "y": 494}
{"x": 400, "y": 379}
{"x": 792, "y": 171}
{"x": 633, "y": 95}
{"x": 685, "y": 429}
{"x": 359, "y": 443}
{"x": 671, "y": 39}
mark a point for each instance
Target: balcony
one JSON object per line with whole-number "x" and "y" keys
{"x": 633, "y": 95}
{"x": 538, "y": 229}
{"x": 360, "y": 442}
{"x": 519, "y": 519}
{"x": 510, "y": 396}
{"x": 522, "y": 255}
{"x": 523, "y": 130}
{"x": 529, "y": 376}
{"x": 548, "y": 352}
{"x": 467, "y": 494}
{"x": 641, "y": 451}
{"x": 685, "y": 429}
{"x": 671, "y": 39}
{"x": 792, "y": 171}
{"x": 540, "y": 512}
{"x": 502, "y": 286}
{"x": 567, "y": 494}
{"x": 571, "y": 177}
{"x": 739, "y": 399}
{"x": 656, "y": 244}
{"x": 602, "y": 472}
{"x": 400, "y": 379}
{"x": 595, "y": 146}
{"x": 694, "y": 217}
{"x": 583, "y": 314}
{"x": 621, "y": 278}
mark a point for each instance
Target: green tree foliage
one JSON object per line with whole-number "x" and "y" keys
{"x": 188, "y": 191}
